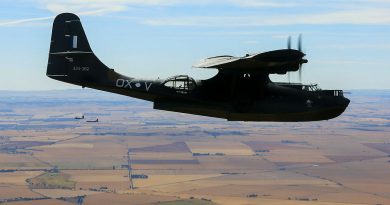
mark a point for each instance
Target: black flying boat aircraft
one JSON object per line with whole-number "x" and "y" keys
{"x": 241, "y": 91}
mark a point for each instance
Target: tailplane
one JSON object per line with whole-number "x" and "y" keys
{"x": 71, "y": 58}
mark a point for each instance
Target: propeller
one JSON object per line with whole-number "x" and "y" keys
{"x": 300, "y": 42}
{"x": 303, "y": 60}
{"x": 289, "y": 42}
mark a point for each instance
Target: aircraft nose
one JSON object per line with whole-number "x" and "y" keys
{"x": 346, "y": 102}
{"x": 342, "y": 102}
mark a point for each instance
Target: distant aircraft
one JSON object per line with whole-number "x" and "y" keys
{"x": 97, "y": 120}
{"x": 241, "y": 91}
{"x": 79, "y": 118}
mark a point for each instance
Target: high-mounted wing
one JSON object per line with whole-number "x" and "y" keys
{"x": 278, "y": 61}
{"x": 216, "y": 62}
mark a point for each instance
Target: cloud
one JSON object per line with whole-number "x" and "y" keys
{"x": 24, "y": 21}
{"x": 85, "y": 7}
{"x": 101, "y": 7}
{"x": 277, "y": 12}
{"x": 108, "y": 6}
{"x": 264, "y": 3}
{"x": 354, "y": 17}
{"x": 80, "y": 7}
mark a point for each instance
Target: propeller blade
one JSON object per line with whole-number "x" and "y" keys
{"x": 289, "y": 42}
{"x": 302, "y": 62}
{"x": 300, "y": 42}
{"x": 300, "y": 74}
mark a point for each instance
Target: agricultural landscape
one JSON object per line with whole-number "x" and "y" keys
{"x": 52, "y": 152}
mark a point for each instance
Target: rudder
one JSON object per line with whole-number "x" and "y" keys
{"x": 71, "y": 58}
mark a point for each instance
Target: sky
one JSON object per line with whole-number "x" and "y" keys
{"x": 347, "y": 42}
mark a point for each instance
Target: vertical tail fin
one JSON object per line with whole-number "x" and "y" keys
{"x": 71, "y": 58}
{"x": 68, "y": 35}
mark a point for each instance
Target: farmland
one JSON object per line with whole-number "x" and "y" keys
{"x": 47, "y": 156}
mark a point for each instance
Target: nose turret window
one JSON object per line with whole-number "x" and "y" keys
{"x": 338, "y": 93}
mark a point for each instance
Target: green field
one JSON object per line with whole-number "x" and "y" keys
{"x": 52, "y": 181}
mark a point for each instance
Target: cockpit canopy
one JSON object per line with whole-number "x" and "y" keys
{"x": 181, "y": 83}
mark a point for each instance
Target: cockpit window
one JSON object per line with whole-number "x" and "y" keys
{"x": 312, "y": 87}
{"x": 182, "y": 84}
